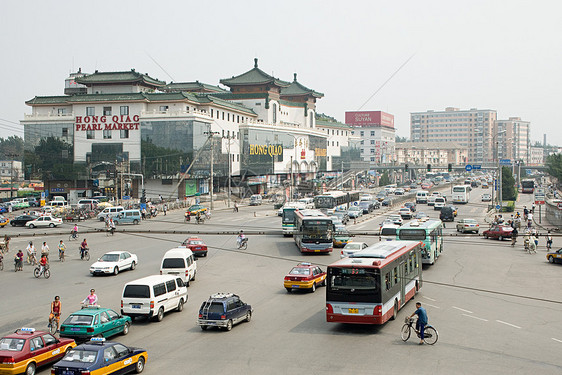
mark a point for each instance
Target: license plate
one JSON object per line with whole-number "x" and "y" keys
{"x": 67, "y": 372}
{"x": 136, "y": 306}
{"x": 295, "y": 286}
{"x": 75, "y": 329}
{"x": 174, "y": 273}
{"x": 316, "y": 251}
{"x": 353, "y": 311}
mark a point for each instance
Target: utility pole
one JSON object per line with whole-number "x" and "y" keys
{"x": 211, "y": 188}
{"x": 229, "y": 169}
{"x": 291, "y": 187}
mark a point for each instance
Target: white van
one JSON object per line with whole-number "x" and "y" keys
{"x": 152, "y": 296}
{"x": 308, "y": 202}
{"x": 421, "y": 196}
{"x": 58, "y": 204}
{"x": 109, "y": 211}
{"x": 181, "y": 262}
{"x": 255, "y": 200}
{"x": 387, "y": 231}
{"x": 439, "y": 203}
{"x": 88, "y": 203}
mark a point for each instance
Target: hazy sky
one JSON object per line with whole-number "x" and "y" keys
{"x": 502, "y": 55}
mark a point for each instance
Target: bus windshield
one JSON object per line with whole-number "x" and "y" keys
{"x": 354, "y": 284}
{"x": 314, "y": 230}
{"x": 288, "y": 215}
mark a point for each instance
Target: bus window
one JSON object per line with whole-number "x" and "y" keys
{"x": 406, "y": 268}
{"x": 395, "y": 272}
{"x": 387, "y": 280}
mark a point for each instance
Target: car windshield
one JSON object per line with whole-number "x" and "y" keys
{"x": 300, "y": 271}
{"x": 195, "y": 242}
{"x": 470, "y": 221}
{"x": 79, "y": 320}
{"x": 353, "y": 246}
{"x": 109, "y": 258}
{"x": 341, "y": 230}
{"x": 12, "y": 345}
{"x": 82, "y": 356}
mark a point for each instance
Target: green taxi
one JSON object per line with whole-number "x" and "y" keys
{"x": 341, "y": 236}
{"x": 94, "y": 322}
{"x": 195, "y": 209}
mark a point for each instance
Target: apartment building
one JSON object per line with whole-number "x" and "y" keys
{"x": 514, "y": 139}
{"x": 434, "y": 153}
{"x": 376, "y": 133}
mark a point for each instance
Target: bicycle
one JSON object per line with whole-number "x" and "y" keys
{"x": 85, "y": 255}
{"x": 38, "y": 271}
{"x": 430, "y": 333}
{"x": 243, "y": 244}
{"x": 73, "y": 236}
{"x": 31, "y": 259}
{"x": 61, "y": 256}
{"x": 53, "y": 325}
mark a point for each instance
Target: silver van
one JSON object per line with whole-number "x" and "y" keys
{"x": 109, "y": 211}
{"x": 255, "y": 200}
{"x": 127, "y": 217}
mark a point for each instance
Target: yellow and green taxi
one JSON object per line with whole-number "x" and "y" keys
{"x": 305, "y": 276}
{"x": 4, "y": 221}
{"x": 554, "y": 256}
{"x": 195, "y": 209}
{"x": 100, "y": 357}
{"x": 27, "y": 349}
{"x": 341, "y": 236}
{"x": 94, "y": 322}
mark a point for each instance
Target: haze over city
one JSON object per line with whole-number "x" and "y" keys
{"x": 481, "y": 54}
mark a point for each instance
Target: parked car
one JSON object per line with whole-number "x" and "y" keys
{"x": 44, "y": 221}
{"x": 223, "y": 310}
{"x": 306, "y": 276}
{"x": 27, "y": 349}
{"x": 468, "y": 225}
{"x": 498, "y": 231}
{"x": 352, "y": 247}
{"x": 94, "y": 321}
{"x": 20, "y": 221}
{"x": 196, "y": 245}
{"x": 101, "y": 357}
{"x": 114, "y": 262}
{"x": 486, "y": 198}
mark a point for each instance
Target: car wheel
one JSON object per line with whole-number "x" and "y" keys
{"x": 30, "y": 370}
{"x": 486, "y": 236}
{"x": 394, "y": 311}
{"x": 180, "y": 305}
{"x": 125, "y": 329}
{"x": 500, "y": 238}
{"x": 248, "y": 316}
{"x": 551, "y": 259}
{"x": 31, "y": 226}
{"x": 135, "y": 221}
{"x": 140, "y": 365}
{"x": 13, "y": 224}
{"x": 289, "y": 290}
{"x": 204, "y": 328}
{"x": 133, "y": 265}
{"x": 160, "y": 315}
{"x": 51, "y": 225}
{"x": 115, "y": 270}
{"x": 229, "y": 325}
{"x": 313, "y": 289}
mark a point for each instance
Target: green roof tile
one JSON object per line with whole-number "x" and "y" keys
{"x": 119, "y": 77}
{"x": 192, "y": 86}
{"x": 296, "y": 89}
{"x": 255, "y": 76}
{"x": 325, "y": 120}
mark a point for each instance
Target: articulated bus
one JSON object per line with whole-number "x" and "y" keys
{"x": 371, "y": 285}
{"x": 528, "y": 186}
{"x": 288, "y": 217}
{"x": 461, "y": 193}
{"x": 313, "y": 232}
{"x": 333, "y": 199}
{"x": 430, "y": 233}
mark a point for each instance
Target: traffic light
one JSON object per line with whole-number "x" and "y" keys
{"x": 429, "y": 167}
{"x": 450, "y": 167}
{"x": 406, "y": 167}
{"x": 143, "y": 196}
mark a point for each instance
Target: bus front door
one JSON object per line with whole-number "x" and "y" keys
{"x": 403, "y": 281}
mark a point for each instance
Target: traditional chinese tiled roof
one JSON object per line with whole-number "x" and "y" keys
{"x": 255, "y": 76}
{"x": 297, "y": 89}
{"x": 323, "y": 120}
{"x": 130, "y": 76}
{"x": 192, "y": 86}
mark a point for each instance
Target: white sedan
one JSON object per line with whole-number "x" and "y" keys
{"x": 352, "y": 247}
{"x": 44, "y": 221}
{"x": 114, "y": 262}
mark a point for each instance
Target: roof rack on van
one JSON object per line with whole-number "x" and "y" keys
{"x": 221, "y": 295}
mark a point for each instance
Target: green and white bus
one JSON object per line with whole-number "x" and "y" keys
{"x": 429, "y": 233}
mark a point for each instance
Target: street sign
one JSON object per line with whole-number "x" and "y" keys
{"x": 42, "y": 195}
{"x": 505, "y": 161}
{"x": 476, "y": 166}
{"x": 495, "y": 184}
{"x": 468, "y": 168}
{"x": 539, "y": 202}
{"x": 498, "y": 206}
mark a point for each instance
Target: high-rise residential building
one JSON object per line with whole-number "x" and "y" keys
{"x": 536, "y": 156}
{"x": 434, "y": 153}
{"x": 473, "y": 128}
{"x": 376, "y": 133}
{"x": 514, "y": 139}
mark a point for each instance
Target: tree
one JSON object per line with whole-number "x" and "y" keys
{"x": 554, "y": 166}
{"x": 11, "y": 148}
{"x": 384, "y": 180}
{"x": 401, "y": 139}
{"x": 508, "y": 185}
{"x": 52, "y": 159}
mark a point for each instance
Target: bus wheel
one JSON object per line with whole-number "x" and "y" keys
{"x": 395, "y": 310}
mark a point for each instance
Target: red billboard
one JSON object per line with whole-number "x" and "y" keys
{"x": 369, "y": 118}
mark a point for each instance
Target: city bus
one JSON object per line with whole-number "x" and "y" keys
{"x": 313, "y": 232}
{"x": 288, "y": 217}
{"x": 330, "y": 200}
{"x": 429, "y": 233}
{"x": 371, "y": 285}
{"x": 528, "y": 186}
{"x": 461, "y": 193}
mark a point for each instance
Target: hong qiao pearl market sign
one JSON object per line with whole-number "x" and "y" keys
{"x": 116, "y": 122}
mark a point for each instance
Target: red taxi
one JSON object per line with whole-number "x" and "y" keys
{"x": 26, "y": 349}
{"x": 196, "y": 245}
{"x": 305, "y": 276}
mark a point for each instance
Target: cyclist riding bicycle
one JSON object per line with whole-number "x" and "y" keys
{"x": 83, "y": 248}
{"x": 31, "y": 253}
{"x": 62, "y": 248}
{"x": 422, "y": 320}
{"x": 74, "y": 231}
{"x": 91, "y": 299}
{"x": 43, "y": 263}
{"x": 18, "y": 259}
{"x": 45, "y": 250}
{"x": 111, "y": 226}
{"x": 56, "y": 309}
{"x": 241, "y": 238}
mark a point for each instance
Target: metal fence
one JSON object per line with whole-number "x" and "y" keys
{"x": 553, "y": 214}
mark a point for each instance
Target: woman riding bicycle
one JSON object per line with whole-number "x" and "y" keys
{"x": 56, "y": 309}
{"x": 18, "y": 260}
{"x": 91, "y": 299}
{"x": 83, "y": 248}
{"x": 74, "y": 232}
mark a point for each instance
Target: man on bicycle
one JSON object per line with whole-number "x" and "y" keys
{"x": 45, "y": 249}
{"x": 422, "y": 320}
{"x": 62, "y": 248}
{"x": 31, "y": 253}
{"x": 83, "y": 248}
{"x": 56, "y": 309}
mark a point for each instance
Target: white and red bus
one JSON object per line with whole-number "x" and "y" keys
{"x": 313, "y": 231}
{"x": 371, "y": 285}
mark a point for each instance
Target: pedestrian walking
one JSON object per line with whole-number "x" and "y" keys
{"x": 143, "y": 214}
{"x": 548, "y": 241}
{"x": 514, "y": 234}
{"x": 165, "y": 208}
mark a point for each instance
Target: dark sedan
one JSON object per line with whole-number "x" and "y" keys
{"x": 411, "y": 206}
{"x": 366, "y": 206}
{"x": 20, "y": 221}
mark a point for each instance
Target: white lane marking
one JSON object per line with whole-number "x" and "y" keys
{"x": 556, "y": 339}
{"x": 475, "y": 317}
{"x": 458, "y": 308}
{"x": 508, "y": 324}
{"x": 435, "y": 307}
{"x": 431, "y": 299}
